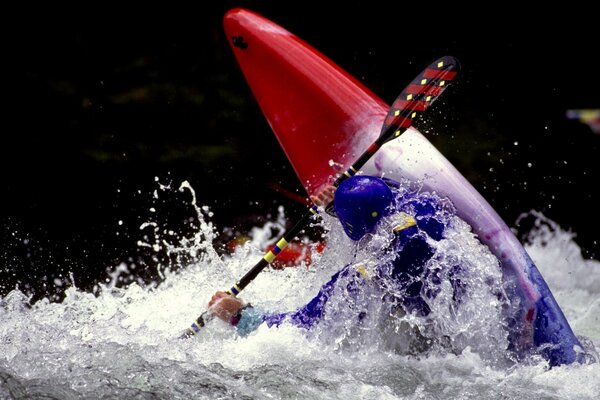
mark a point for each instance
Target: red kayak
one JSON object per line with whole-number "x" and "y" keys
{"x": 324, "y": 119}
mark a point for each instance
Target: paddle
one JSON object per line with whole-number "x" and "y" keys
{"x": 414, "y": 99}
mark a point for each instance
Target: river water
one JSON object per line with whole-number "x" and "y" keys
{"x": 123, "y": 342}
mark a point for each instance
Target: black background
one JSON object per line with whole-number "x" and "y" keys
{"x": 99, "y": 102}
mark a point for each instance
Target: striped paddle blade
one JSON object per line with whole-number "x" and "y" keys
{"x": 418, "y": 96}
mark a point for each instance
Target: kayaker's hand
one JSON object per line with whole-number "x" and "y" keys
{"x": 224, "y": 306}
{"x": 324, "y": 197}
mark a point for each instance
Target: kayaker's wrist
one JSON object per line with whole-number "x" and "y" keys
{"x": 235, "y": 318}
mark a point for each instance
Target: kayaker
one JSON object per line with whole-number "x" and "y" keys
{"x": 403, "y": 221}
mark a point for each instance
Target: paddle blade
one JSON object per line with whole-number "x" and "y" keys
{"x": 419, "y": 96}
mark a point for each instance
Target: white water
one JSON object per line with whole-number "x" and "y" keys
{"x": 122, "y": 342}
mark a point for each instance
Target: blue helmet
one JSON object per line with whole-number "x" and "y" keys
{"x": 360, "y": 202}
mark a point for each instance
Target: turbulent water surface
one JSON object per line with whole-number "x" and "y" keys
{"x": 123, "y": 342}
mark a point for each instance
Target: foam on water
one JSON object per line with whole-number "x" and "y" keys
{"x": 122, "y": 342}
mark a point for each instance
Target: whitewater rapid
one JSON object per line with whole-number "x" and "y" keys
{"x": 122, "y": 342}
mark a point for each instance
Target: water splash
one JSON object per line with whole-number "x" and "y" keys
{"x": 575, "y": 281}
{"x": 120, "y": 342}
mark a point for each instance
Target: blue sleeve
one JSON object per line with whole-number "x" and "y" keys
{"x": 250, "y": 318}
{"x": 304, "y": 317}
{"x": 311, "y": 313}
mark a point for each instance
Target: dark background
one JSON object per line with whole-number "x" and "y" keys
{"x": 98, "y": 103}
